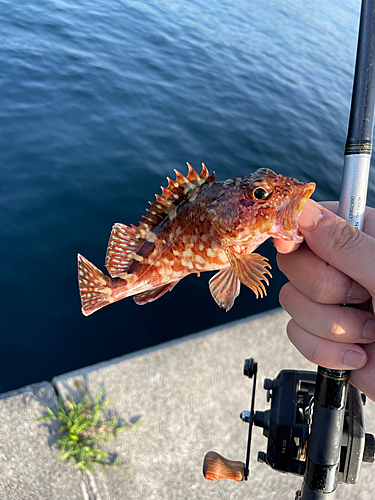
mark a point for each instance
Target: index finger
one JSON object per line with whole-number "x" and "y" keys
{"x": 339, "y": 244}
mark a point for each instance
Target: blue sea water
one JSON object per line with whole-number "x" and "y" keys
{"x": 101, "y": 100}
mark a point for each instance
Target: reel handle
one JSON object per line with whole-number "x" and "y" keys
{"x": 217, "y": 467}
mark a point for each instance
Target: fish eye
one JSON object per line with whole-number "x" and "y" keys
{"x": 260, "y": 191}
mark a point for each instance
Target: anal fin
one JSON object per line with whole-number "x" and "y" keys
{"x": 144, "y": 297}
{"x": 224, "y": 288}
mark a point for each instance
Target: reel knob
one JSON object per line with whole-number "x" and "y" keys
{"x": 217, "y": 467}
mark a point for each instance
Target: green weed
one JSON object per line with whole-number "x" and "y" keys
{"x": 83, "y": 428}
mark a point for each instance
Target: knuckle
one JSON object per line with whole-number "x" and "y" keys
{"x": 344, "y": 238}
{"x": 328, "y": 285}
{"x": 280, "y": 260}
{"x": 317, "y": 347}
{"x": 320, "y": 288}
{"x": 290, "y": 330}
{"x": 308, "y": 345}
{"x": 285, "y": 295}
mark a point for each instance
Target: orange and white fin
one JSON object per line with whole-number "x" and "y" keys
{"x": 123, "y": 246}
{"x": 144, "y": 297}
{"x": 251, "y": 270}
{"x": 125, "y": 242}
{"x": 224, "y": 288}
{"x": 177, "y": 191}
{"x": 94, "y": 287}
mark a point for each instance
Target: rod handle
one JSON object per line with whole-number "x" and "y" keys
{"x": 217, "y": 467}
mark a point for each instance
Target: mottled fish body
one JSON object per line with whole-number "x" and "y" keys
{"x": 198, "y": 225}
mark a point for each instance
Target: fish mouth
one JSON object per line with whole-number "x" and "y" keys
{"x": 294, "y": 209}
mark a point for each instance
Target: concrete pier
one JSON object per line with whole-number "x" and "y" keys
{"x": 190, "y": 393}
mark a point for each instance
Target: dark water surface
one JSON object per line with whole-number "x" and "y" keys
{"x": 101, "y": 100}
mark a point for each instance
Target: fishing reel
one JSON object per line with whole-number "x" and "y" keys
{"x": 287, "y": 427}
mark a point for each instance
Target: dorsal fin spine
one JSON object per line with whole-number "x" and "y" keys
{"x": 192, "y": 174}
{"x": 178, "y": 190}
{"x": 205, "y": 174}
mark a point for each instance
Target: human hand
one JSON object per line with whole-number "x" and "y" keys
{"x": 335, "y": 265}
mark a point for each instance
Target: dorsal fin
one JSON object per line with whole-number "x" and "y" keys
{"x": 123, "y": 246}
{"x": 125, "y": 242}
{"x": 183, "y": 188}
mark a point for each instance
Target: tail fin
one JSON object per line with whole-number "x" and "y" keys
{"x": 94, "y": 287}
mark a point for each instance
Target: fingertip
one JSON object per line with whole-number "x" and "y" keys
{"x": 283, "y": 246}
{"x": 363, "y": 379}
{"x": 354, "y": 359}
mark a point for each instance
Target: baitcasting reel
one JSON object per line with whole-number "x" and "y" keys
{"x": 287, "y": 426}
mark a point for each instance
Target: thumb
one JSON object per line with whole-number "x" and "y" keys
{"x": 339, "y": 244}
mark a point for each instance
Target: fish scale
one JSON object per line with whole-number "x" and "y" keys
{"x": 198, "y": 225}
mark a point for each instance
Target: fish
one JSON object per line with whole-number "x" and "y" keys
{"x": 198, "y": 225}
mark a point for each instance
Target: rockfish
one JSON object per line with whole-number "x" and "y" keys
{"x": 197, "y": 225}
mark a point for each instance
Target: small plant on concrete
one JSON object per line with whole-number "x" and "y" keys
{"x": 82, "y": 429}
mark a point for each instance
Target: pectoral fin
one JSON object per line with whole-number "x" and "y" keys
{"x": 224, "y": 288}
{"x": 250, "y": 269}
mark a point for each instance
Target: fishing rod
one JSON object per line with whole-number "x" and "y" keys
{"x": 315, "y": 426}
{"x": 323, "y": 462}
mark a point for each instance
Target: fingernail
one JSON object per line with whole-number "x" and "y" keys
{"x": 356, "y": 294}
{"x": 310, "y": 215}
{"x": 369, "y": 330}
{"x": 354, "y": 359}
